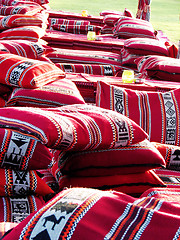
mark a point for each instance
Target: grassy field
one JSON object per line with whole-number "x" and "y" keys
{"x": 165, "y": 14}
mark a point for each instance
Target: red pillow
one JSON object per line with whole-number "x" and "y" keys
{"x": 73, "y": 127}
{"x": 58, "y": 93}
{"x": 25, "y": 48}
{"x": 128, "y": 58}
{"x": 15, "y": 183}
{"x": 169, "y": 177}
{"x": 159, "y": 67}
{"x": 156, "y": 112}
{"x": 16, "y": 209}
{"x": 28, "y": 73}
{"x": 124, "y": 160}
{"x": 22, "y": 152}
{"x": 49, "y": 179}
{"x": 29, "y": 10}
{"x": 111, "y": 19}
{"x": 31, "y": 33}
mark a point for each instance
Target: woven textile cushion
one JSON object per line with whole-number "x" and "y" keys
{"x": 156, "y": 112}
{"x": 29, "y": 10}
{"x": 19, "y": 20}
{"x": 159, "y": 67}
{"x": 23, "y": 72}
{"x": 127, "y": 27}
{"x": 16, "y": 209}
{"x": 170, "y": 153}
{"x": 169, "y": 177}
{"x": 31, "y": 33}
{"x": 146, "y": 46}
{"x": 49, "y": 179}
{"x": 111, "y": 19}
{"x": 82, "y": 213}
{"x": 131, "y": 159}
{"x": 75, "y": 127}
{"x": 25, "y": 48}
{"x": 15, "y": 183}
{"x": 63, "y": 21}
{"x": 128, "y": 58}
{"x": 132, "y": 184}
{"x": 21, "y": 152}
{"x": 58, "y": 93}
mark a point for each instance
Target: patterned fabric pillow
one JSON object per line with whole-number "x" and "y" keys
{"x": 31, "y": 33}
{"x": 111, "y": 19}
{"x": 58, "y": 93}
{"x": 127, "y": 27}
{"x": 156, "y": 112}
{"x": 19, "y": 71}
{"x": 146, "y": 46}
{"x": 23, "y": 2}
{"x": 94, "y": 69}
{"x": 15, "y": 183}
{"x": 49, "y": 179}
{"x": 170, "y": 153}
{"x": 73, "y": 127}
{"x": 29, "y": 10}
{"x": 16, "y": 209}
{"x": 124, "y": 160}
{"x": 81, "y": 213}
{"x": 128, "y": 58}
{"x": 25, "y": 48}
{"x": 169, "y": 177}
{"x": 159, "y": 67}
{"x": 22, "y": 152}
{"x": 19, "y": 20}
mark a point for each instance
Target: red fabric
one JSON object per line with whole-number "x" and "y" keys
{"x": 33, "y": 2}
{"x": 94, "y": 69}
{"x": 127, "y": 27}
{"x": 49, "y": 179}
{"x": 15, "y": 183}
{"x": 169, "y": 177}
{"x": 58, "y": 93}
{"x": 156, "y": 112}
{"x": 106, "y": 29}
{"x": 73, "y": 127}
{"x": 159, "y": 67}
{"x": 94, "y": 214}
{"x": 25, "y": 48}
{"x": 111, "y": 19}
{"x": 10, "y": 10}
{"x": 63, "y": 21}
{"x": 145, "y": 46}
{"x": 134, "y": 158}
{"x": 21, "y": 152}
{"x": 28, "y": 73}
{"x": 128, "y": 58}
{"x": 31, "y": 33}
{"x": 133, "y": 184}
{"x": 170, "y": 154}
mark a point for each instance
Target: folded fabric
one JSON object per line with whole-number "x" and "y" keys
{"x": 25, "y": 48}
{"x": 58, "y": 93}
{"x": 15, "y": 183}
{"x": 131, "y": 159}
{"x": 156, "y": 112}
{"x": 21, "y": 152}
{"x": 16, "y": 209}
{"x": 23, "y": 72}
{"x": 169, "y": 177}
{"x": 82, "y": 213}
{"x": 133, "y": 184}
{"x": 73, "y": 127}
{"x": 159, "y": 67}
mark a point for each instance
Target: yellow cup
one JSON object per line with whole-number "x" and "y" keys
{"x": 84, "y": 13}
{"x": 91, "y": 35}
{"x": 128, "y": 76}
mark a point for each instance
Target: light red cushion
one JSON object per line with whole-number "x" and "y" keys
{"x": 29, "y": 10}
{"x": 58, "y": 93}
{"x": 124, "y": 160}
{"x": 63, "y": 21}
{"x": 73, "y": 127}
{"x": 22, "y": 152}
{"x": 128, "y": 58}
{"x": 159, "y": 67}
{"x": 156, "y": 112}
{"x": 19, "y": 71}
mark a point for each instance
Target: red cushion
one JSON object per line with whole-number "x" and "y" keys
{"x": 49, "y": 179}
{"x": 10, "y": 10}
{"x": 111, "y": 19}
{"x": 58, "y": 93}
{"x": 22, "y": 152}
{"x": 124, "y": 160}
{"x": 15, "y": 183}
{"x": 73, "y": 127}
{"x": 159, "y": 67}
{"x": 169, "y": 177}
{"x": 28, "y": 73}
{"x": 25, "y": 48}
{"x": 63, "y": 21}
{"x": 128, "y": 58}
{"x": 28, "y": 2}
{"x": 156, "y": 112}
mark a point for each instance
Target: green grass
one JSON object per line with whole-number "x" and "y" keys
{"x": 165, "y": 14}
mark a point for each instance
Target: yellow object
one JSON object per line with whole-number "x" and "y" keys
{"x": 128, "y": 76}
{"x": 91, "y": 35}
{"x": 84, "y": 13}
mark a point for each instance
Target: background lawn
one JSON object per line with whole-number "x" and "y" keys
{"x": 165, "y": 14}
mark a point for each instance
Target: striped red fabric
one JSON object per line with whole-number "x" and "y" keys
{"x": 63, "y": 21}
{"x": 10, "y": 10}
